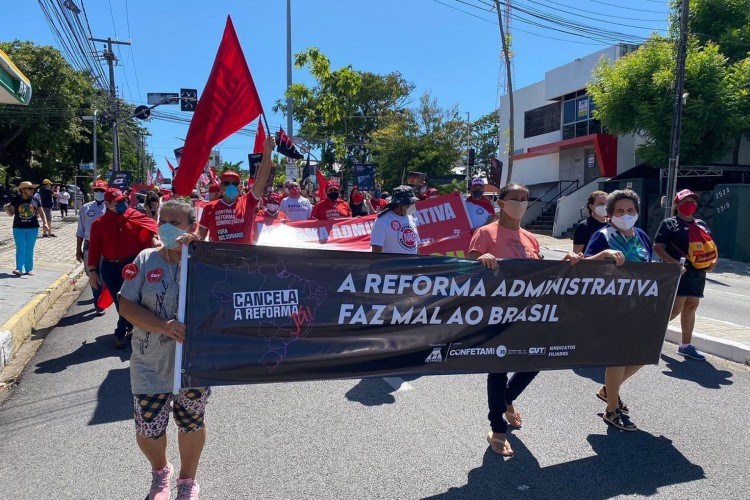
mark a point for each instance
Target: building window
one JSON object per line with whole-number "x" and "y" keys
{"x": 542, "y": 120}
{"x": 577, "y": 119}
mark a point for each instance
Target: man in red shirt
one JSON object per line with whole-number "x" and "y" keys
{"x": 117, "y": 237}
{"x": 478, "y": 207}
{"x": 332, "y": 207}
{"x": 230, "y": 219}
{"x": 271, "y": 210}
{"x": 377, "y": 202}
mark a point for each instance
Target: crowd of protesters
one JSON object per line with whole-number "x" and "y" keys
{"x": 134, "y": 256}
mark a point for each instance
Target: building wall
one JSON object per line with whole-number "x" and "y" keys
{"x": 537, "y": 170}
{"x": 576, "y": 74}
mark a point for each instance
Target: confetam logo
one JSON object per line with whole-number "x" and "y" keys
{"x": 129, "y": 272}
{"x": 501, "y": 351}
{"x": 395, "y": 225}
{"x": 155, "y": 275}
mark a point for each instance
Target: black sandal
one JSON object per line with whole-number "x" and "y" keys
{"x": 620, "y": 405}
{"x": 620, "y": 420}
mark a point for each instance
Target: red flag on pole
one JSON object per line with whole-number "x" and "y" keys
{"x": 229, "y": 102}
{"x": 214, "y": 177}
{"x": 171, "y": 168}
{"x": 260, "y": 138}
{"x": 159, "y": 177}
{"x": 322, "y": 184}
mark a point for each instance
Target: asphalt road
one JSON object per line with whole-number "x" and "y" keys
{"x": 67, "y": 432}
{"x": 726, "y": 295}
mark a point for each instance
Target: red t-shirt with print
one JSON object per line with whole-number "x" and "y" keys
{"x": 231, "y": 222}
{"x": 329, "y": 210}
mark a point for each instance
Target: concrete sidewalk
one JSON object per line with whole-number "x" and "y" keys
{"x": 25, "y": 299}
{"x": 720, "y": 338}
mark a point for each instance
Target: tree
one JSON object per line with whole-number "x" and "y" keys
{"x": 485, "y": 140}
{"x": 633, "y": 95}
{"x": 37, "y": 140}
{"x": 344, "y": 107}
{"x": 48, "y": 138}
{"x": 426, "y": 139}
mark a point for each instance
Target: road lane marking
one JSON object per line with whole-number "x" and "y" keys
{"x": 399, "y": 384}
{"x": 722, "y": 292}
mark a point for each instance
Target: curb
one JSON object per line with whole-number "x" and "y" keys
{"x": 18, "y": 328}
{"x": 726, "y": 349}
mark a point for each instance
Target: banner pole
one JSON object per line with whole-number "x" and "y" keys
{"x": 265, "y": 122}
{"x": 177, "y": 380}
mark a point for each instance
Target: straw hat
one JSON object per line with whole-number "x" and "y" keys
{"x": 26, "y": 184}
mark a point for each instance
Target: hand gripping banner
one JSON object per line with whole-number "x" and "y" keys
{"x": 269, "y": 314}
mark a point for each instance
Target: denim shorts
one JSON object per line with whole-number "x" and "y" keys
{"x": 692, "y": 283}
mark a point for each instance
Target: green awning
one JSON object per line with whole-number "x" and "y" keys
{"x": 15, "y": 88}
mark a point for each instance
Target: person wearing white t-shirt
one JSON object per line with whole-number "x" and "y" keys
{"x": 395, "y": 230}
{"x": 295, "y": 206}
{"x": 479, "y": 209}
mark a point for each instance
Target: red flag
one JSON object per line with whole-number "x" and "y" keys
{"x": 260, "y": 138}
{"x": 159, "y": 177}
{"x": 214, "y": 177}
{"x": 322, "y": 184}
{"x": 171, "y": 168}
{"x": 229, "y": 102}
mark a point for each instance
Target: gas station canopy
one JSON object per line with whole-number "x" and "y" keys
{"x": 15, "y": 88}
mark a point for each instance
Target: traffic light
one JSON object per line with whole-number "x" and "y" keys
{"x": 188, "y": 99}
{"x": 496, "y": 171}
{"x": 471, "y": 157}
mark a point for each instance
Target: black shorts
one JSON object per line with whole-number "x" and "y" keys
{"x": 692, "y": 283}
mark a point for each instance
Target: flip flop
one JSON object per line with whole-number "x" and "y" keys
{"x": 498, "y": 446}
{"x": 515, "y": 421}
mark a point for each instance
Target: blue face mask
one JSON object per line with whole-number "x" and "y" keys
{"x": 168, "y": 234}
{"x": 121, "y": 207}
{"x": 231, "y": 192}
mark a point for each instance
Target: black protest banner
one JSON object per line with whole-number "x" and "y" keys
{"x": 265, "y": 314}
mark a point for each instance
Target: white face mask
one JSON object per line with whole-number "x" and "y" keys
{"x": 515, "y": 209}
{"x": 601, "y": 210}
{"x": 626, "y": 222}
{"x": 412, "y": 208}
{"x": 99, "y": 196}
{"x": 272, "y": 207}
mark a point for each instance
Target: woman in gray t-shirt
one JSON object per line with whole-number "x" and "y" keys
{"x": 148, "y": 299}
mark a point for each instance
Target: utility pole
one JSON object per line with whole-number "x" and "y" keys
{"x": 92, "y": 118}
{"x": 114, "y": 107}
{"x": 289, "y": 105}
{"x": 679, "y": 90}
{"x": 506, "y": 55}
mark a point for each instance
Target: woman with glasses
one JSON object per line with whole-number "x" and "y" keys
{"x": 24, "y": 208}
{"x": 621, "y": 242}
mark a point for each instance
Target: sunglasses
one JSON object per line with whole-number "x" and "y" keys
{"x": 230, "y": 183}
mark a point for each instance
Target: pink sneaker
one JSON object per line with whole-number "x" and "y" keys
{"x": 187, "y": 489}
{"x": 160, "y": 480}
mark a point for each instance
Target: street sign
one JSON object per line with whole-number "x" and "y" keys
{"x": 162, "y": 98}
{"x": 188, "y": 99}
{"x": 292, "y": 171}
{"x": 86, "y": 166}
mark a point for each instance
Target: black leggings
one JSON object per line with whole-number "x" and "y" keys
{"x": 501, "y": 392}
{"x": 63, "y": 209}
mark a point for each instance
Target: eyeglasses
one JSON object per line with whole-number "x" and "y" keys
{"x": 230, "y": 183}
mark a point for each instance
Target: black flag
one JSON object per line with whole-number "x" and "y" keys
{"x": 286, "y": 147}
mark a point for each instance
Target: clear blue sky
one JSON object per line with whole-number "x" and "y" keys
{"x": 440, "y": 48}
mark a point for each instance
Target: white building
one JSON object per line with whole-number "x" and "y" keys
{"x": 559, "y": 146}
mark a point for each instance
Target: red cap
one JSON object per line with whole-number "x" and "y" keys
{"x": 431, "y": 191}
{"x": 214, "y": 188}
{"x": 229, "y": 175}
{"x": 273, "y": 198}
{"x": 332, "y": 185}
{"x": 357, "y": 197}
{"x": 685, "y": 193}
{"x": 114, "y": 194}
{"x": 100, "y": 184}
